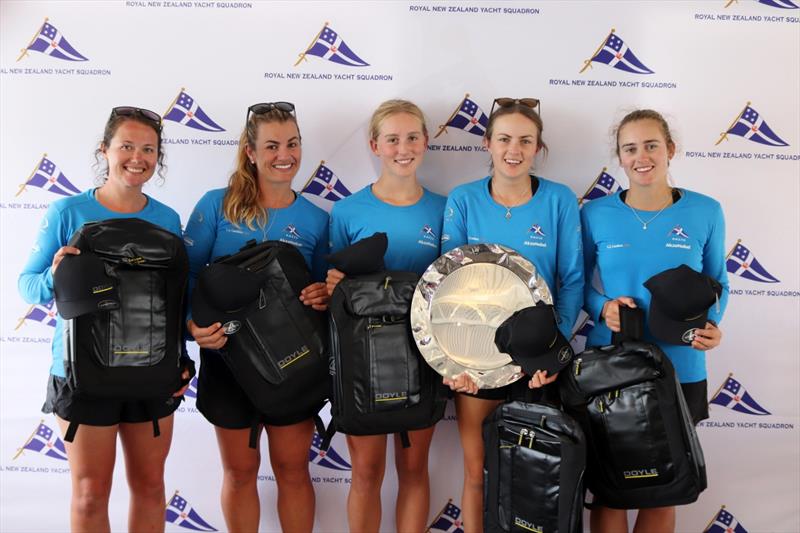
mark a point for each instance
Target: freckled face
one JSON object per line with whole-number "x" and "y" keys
{"x": 513, "y": 145}
{"x": 401, "y": 144}
{"x": 644, "y": 153}
{"x": 277, "y": 153}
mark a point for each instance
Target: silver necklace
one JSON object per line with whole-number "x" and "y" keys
{"x": 646, "y": 222}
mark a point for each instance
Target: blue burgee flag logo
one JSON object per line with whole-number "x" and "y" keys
{"x": 735, "y": 397}
{"x": 46, "y": 175}
{"x": 468, "y": 116}
{"x": 191, "y": 391}
{"x": 45, "y": 442}
{"x": 781, "y": 4}
{"x": 325, "y": 184}
{"x": 751, "y": 126}
{"x": 724, "y": 522}
{"x": 329, "y": 459}
{"x": 603, "y": 185}
{"x": 49, "y": 41}
{"x": 741, "y": 262}
{"x": 181, "y": 513}
{"x": 43, "y": 313}
{"x": 184, "y": 110}
{"x": 448, "y": 519}
{"x": 615, "y": 53}
{"x": 329, "y": 45}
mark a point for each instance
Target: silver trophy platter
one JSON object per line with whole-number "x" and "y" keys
{"x": 459, "y": 303}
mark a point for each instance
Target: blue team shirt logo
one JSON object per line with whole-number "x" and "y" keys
{"x": 427, "y": 232}
{"x": 536, "y": 229}
{"x": 290, "y": 232}
{"x": 678, "y": 231}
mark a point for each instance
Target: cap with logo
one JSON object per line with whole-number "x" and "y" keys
{"x": 227, "y": 294}
{"x": 362, "y": 257}
{"x": 82, "y": 285}
{"x": 679, "y": 302}
{"x": 532, "y": 338}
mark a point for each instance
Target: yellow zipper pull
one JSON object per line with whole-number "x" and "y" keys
{"x": 386, "y": 282}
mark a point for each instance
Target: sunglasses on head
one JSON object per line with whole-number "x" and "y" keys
{"x": 533, "y": 103}
{"x": 266, "y": 107}
{"x": 130, "y": 111}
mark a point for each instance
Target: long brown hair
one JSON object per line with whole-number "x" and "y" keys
{"x": 241, "y": 199}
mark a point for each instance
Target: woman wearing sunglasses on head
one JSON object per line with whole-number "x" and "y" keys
{"x": 259, "y": 204}
{"x": 507, "y": 207}
{"x": 662, "y": 227}
{"x": 129, "y": 154}
{"x": 399, "y": 206}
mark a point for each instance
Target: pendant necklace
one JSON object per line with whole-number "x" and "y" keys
{"x": 646, "y": 222}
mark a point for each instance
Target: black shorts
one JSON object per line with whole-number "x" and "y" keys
{"x": 696, "y": 395}
{"x": 104, "y": 412}
{"x": 223, "y": 402}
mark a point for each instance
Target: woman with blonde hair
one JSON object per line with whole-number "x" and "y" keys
{"x": 258, "y": 204}
{"x": 411, "y": 216}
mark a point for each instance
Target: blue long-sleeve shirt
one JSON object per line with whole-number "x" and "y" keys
{"x": 413, "y": 231}
{"x": 546, "y": 230}
{"x": 620, "y": 256}
{"x": 63, "y": 218}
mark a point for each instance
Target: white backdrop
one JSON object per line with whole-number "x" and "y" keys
{"x": 709, "y": 59}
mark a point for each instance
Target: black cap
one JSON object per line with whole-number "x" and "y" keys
{"x": 679, "y": 302}
{"x": 532, "y": 338}
{"x": 362, "y": 257}
{"x": 226, "y": 294}
{"x": 83, "y": 286}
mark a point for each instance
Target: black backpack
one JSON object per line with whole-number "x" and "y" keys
{"x": 279, "y": 356}
{"x": 133, "y": 352}
{"x": 644, "y": 451}
{"x": 381, "y": 383}
{"x": 534, "y": 461}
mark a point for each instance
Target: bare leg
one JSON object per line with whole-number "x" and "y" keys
{"x": 470, "y": 412}
{"x": 368, "y": 456}
{"x": 145, "y": 456}
{"x": 91, "y": 459}
{"x": 607, "y": 520}
{"x": 288, "y": 455}
{"x": 414, "y": 489}
{"x": 655, "y": 520}
{"x": 240, "y": 463}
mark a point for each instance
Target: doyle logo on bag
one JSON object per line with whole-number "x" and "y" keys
{"x": 294, "y": 356}
{"x": 527, "y": 526}
{"x": 641, "y": 473}
{"x": 390, "y": 396}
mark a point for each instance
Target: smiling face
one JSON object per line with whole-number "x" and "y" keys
{"x": 276, "y": 151}
{"x": 132, "y": 154}
{"x": 513, "y": 145}
{"x": 644, "y": 153}
{"x": 400, "y": 145}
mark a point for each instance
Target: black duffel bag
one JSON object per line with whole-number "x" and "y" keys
{"x": 381, "y": 383}
{"x": 534, "y": 461}
{"x": 278, "y": 353}
{"x": 643, "y": 448}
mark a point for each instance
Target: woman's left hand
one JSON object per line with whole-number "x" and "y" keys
{"x": 707, "y": 338}
{"x": 540, "y": 379}
{"x": 315, "y": 295}
{"x": 185, "y": 375}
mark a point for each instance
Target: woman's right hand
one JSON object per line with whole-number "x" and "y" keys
{"x": 461, "y": 383}
{"x": 610, "y": 312}
{"x": 213, "y": 337}
{"x": 333, "y": 279}
{"x": 60, "y": 254}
